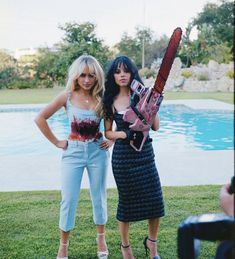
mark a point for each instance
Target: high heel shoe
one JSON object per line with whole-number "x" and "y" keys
{"x": 102, "y": 254}
{"x": 62, "y": 245}
{"x": 126, "y": 247}
{"x": 147, "y": 250}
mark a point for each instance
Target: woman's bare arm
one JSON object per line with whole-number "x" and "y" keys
{"x": 46, "y": 113}
{"x": 156, "y": 123}
{"x": 110, "y": 134}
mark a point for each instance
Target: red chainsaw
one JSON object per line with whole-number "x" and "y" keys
{"x": 145, "y": 101}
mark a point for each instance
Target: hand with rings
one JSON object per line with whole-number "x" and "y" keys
{"x": 106, "y": 144}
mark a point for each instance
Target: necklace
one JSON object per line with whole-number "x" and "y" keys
{"x": 86, "y": 99}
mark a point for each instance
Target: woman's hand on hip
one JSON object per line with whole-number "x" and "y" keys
{"x": 62, "y": 144}
{"x": 106, "y": 144}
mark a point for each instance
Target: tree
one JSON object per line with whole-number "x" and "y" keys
{"x": 220, "y": 20}
{"x": 79, "y": 39}
{"x": 46, "y": 72}
{"x": 26, "y": 65}
{"x": 8, "y": 69}
{"x": 130, "y": 47}
{"x": 185, "y": 46}
{"x": 215, "y": 35}
{"x": 133, "y": 47}
{"x": 144, "y": 36}
{"x": 156, "y": 50}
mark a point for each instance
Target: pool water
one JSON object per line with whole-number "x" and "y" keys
{"x": 195, "y": 129}
{"x": 181, "y": 128}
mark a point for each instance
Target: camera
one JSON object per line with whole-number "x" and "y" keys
{"x": 210, "y": 227}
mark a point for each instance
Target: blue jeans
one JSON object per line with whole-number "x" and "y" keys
{"x": 78, "y": 156}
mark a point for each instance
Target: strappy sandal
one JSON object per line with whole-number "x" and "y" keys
{"x": 66, "y": 245}
{"x": 101, "y": 254}
{"x": 126, "y": 247}
{"x": 147, "y": 250}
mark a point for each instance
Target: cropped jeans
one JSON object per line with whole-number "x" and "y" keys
{"x": 78, "y": 156}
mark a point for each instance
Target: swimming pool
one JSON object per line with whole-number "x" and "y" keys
{"x": 181, "y": 128}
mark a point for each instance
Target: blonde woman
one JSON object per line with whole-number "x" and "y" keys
{"x": 84, "y": 148}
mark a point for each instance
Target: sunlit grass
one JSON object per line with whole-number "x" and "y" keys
{"x": 29, "y": 223}
{"x": 35, "y": 96}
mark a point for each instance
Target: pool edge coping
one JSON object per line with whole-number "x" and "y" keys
{"x": 196, "y": 104}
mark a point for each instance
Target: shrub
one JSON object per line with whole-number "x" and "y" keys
{"x": 46, "y": 83}
{"x": 146, "y": 72}
{"x": 21, "y": 84}
{"x": 187, "y": 74}
{"x": 230, "y": 74}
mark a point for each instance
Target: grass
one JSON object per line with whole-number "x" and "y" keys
{"x": 29, "y": 224}
{"x": 26, "y": 96}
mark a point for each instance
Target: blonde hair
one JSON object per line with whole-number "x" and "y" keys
{"x": 77, "y": 68}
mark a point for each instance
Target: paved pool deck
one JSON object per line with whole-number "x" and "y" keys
{"x": 206, "y": 104}
{"x": 176, "y": 167}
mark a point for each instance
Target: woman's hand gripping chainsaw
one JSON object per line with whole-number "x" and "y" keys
{"x": 144, "y": 105}
{"x": 145, "y": 102}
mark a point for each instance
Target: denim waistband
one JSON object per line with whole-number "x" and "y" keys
{"x": 75, "y": 143}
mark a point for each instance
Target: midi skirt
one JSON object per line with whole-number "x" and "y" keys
{"x": 138, "y": 183}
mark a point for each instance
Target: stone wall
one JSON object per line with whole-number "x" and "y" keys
{"x": 202, "y": 78}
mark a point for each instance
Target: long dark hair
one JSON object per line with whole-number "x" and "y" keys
{"x": 111, "y": 88}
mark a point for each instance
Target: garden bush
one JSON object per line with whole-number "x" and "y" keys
{"x": 230, "y": 74}
{"x": 187, "y": 74}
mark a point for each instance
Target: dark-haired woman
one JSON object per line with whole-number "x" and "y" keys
{"x": 135, "y": 173}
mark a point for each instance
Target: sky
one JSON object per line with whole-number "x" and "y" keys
{"x": 34, "y": 23}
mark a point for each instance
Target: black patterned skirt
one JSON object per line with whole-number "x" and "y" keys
{"x": 138, "y": 184}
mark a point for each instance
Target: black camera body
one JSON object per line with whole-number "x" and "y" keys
{"x": 210, "y": 227}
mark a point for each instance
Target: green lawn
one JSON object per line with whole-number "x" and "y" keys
{"x": 29, "y": 223}
{"x": 25, "y": 96}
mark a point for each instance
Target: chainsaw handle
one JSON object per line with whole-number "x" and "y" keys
{"x": 138, "y": 144}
